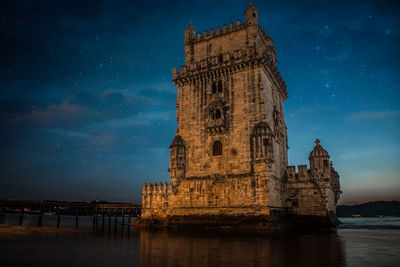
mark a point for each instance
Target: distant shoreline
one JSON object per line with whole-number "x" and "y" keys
{"x": 370, "y": 209}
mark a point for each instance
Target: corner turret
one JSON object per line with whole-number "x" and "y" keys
{"x": 320, "y": 166}
{"x": 189, "y": 36}
{"x": 177, "y": 160}
{"x": 251, "y": 14}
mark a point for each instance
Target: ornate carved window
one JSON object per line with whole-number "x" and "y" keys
{"x": 217, "y": 148}
{"x": 215, "y": 117}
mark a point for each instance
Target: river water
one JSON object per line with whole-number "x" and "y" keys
{"x": 357, "y": 242}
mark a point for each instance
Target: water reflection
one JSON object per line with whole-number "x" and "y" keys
{"x": 116, "y": 241}
{"x": 174, "y": 248}
{"x": 357, "y": 242}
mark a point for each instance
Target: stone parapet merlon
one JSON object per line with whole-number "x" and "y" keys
{"x": 302, "y": 174}
{"x": 208, "y": 34}
{"x": 149, "y": 188}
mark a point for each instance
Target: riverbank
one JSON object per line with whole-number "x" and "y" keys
{"x": 7, "y": 230}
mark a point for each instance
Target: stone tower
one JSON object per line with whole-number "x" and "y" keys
{"x": 230, "y": 103}
{"x": 229, "y": 155}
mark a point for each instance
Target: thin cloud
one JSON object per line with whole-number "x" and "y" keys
{"x": 88, "y": 108}
{"x": 372, "y": 115}
{"x": 68, "y": 133}
{"x": 141, "y": 119}
{"x": 52, "y": 114}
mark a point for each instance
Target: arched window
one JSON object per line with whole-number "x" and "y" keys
{"x": 214, "y": 87}
{"x": 217, "y": 114}
{"x": 217, "y": 148}
{"x": 219, "y": 86}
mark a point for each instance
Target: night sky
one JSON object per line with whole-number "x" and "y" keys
{"x": 87, "y": 106}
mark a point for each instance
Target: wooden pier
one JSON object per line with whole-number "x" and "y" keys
{"x": 96, "y": 210}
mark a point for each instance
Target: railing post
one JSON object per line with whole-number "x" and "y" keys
{"x": 97, "y": 219}
{"x": 21, "y": 217}
{"x": 94, "y": 218}
{"x": 3, "y": 214}
{"x": 116, "y": 215}
{"x": 58, "y": 217}
{"x": 40, "y": 221}
{"x": 109, "y": 219}
{"x": 129, "y": 221}
{"x": 76, "y": 217}
{"x": 102, "y": 217}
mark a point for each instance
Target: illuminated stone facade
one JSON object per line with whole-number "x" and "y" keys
{"x": 229, "y": 155}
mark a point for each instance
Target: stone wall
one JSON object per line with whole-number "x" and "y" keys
{"x": 306, "y": 195}
{"x": 243, "y": 194}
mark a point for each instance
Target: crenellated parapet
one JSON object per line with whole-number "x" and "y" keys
{"x": 303, "y": 174}
{"x": 251, "y": 19}
{"x": 218, "y": 31}
{"x": 154, "y": 188}
{"x": 212, "y": 33}
{"x": 155, "y": 197}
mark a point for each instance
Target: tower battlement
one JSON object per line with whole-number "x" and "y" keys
{"x": 212, "y": 33}
{"x": 156, "y": 188}
{"x": 302, "y": 174}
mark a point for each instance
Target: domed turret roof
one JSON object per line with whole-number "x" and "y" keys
{"x": 318, "y": 150}
{"x": 261, "y": 129}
